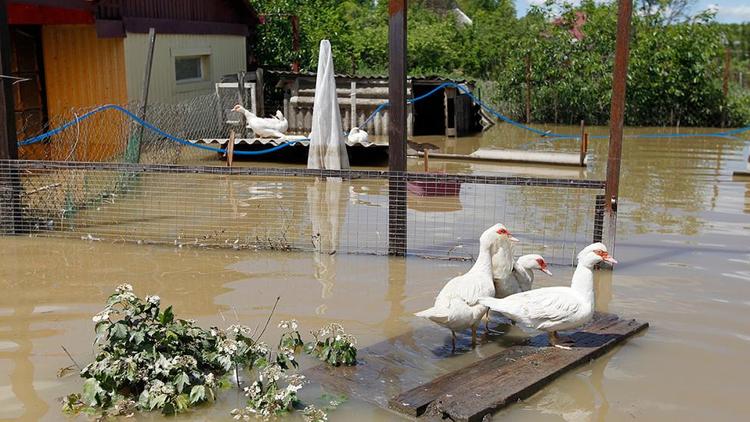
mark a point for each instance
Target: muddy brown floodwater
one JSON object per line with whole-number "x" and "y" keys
{"x": 684, "y": 252}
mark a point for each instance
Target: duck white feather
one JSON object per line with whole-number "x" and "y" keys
{"x": 357, "y": 136}
{"x": 553, "y": 309}
{"x": 272, "y": 127}
{"x": 521, "y": 277}
{"x": 456, "y": 305}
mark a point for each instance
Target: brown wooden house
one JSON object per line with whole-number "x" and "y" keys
{"x": 75, "y": 54}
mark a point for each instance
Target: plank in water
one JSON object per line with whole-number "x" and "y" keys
{"x": 518, "y": 372}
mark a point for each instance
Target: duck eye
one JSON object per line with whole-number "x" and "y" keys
{"x": 502, "y": 231}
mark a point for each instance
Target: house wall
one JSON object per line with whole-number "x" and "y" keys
{"x": 225, "y": 55}
{"x": 82, "y": 71}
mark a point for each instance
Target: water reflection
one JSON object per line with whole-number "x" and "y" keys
{"x": 327, "y": 213}
{"x": 582, "y": 398}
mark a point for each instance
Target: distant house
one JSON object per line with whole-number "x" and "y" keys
{"x": 84, "y": 53}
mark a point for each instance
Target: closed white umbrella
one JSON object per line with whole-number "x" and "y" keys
{"x": 327, "y": 141}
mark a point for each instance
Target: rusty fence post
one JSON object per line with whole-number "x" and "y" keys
{"x": 617, "y": 115}
{"x": 397, "y": 127}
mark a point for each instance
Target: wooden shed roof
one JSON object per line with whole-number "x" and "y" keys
{"x": 114, "y": 18}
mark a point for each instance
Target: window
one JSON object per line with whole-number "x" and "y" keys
{"x": 190, "y": 68}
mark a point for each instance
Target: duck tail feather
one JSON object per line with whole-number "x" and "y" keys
{"x": 434, "y": 314}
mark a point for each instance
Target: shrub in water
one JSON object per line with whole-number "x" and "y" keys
{"x": 333, "y": 345}
{"x": 147, "y": 359}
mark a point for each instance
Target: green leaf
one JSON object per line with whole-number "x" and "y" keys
{"x": 143, "y": 400}
{"x": 118, "y": 331}
{"x": 137, "y": 337}
{"x": 181, "y": 381}
{"x": 182, "y": 402}
{"x": 197, "y": 394}
{"x": 167, "y": 316}
{"x": 91, "y": 390}
{"x": 157, "y": 401}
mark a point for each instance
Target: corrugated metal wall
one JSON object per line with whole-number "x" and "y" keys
{"x": 83, "y": 71}
{"x": 226, "y": 55}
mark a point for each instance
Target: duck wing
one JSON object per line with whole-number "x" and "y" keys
{"x": 540, "y": 308}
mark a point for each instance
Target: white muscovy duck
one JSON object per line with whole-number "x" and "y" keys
{"x": 553, "y": 309}
{"x": 521, "y": 277}
{"x": 456, "y": 305}
{"x": 284, "y": 123}
{"x": 271, "y": 127}
{"x": 357, "y": 136}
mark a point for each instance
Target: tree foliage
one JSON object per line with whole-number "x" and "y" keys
{"x": 675, "y": 74}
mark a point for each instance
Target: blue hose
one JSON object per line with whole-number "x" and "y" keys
{"x": 730, "y": 134}
{"x": 150, "y": 127}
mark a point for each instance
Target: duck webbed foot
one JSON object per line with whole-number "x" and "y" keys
{"x": 556, "y": 341}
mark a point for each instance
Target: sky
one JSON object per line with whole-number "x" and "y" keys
{"x": 729, "y": 11}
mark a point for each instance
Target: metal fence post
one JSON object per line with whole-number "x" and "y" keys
{"x": 397, "y": 127}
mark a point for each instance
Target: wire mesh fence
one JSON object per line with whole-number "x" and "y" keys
{"x": 110, "y": 135}
{"x": 287, "y": 208}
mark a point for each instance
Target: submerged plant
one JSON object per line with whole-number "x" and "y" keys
{"x": 273, "y": 393}
{"x": 333, "y": 345}
{"x": 148, "y": 360}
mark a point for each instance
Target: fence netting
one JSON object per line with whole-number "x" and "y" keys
{"x": 294, "y": 209}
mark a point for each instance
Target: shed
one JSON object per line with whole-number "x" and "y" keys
{"x": 84, "y": 53}
{"x": 448, "y": 113}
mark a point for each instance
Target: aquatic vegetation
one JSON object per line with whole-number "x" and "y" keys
{"x": 333, "y": 345}
{"x": 268, "y": 396}
{"x": 146, "y": 359}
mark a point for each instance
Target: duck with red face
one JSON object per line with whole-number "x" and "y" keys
{"x": 554, "y": 309}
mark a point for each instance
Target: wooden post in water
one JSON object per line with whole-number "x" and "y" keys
{"x": 10, "y": 213}
{"x": 397, "y": 127}
{"x": 230, "y": 148}
{"x": 583, "y": 140}
{"x": 617, "y": 115}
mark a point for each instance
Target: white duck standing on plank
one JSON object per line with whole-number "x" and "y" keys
{"x": 272, "y": 127}
{"x": 554, "y": 309}
{"x": 456, "y": 305}
{"x": 357, "y": 136}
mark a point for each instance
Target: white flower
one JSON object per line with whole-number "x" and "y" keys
{"x": 124, "y": 287}
{"x": 101, "y": 316}
{"x": 154, "y": 300}
{"x": 237, "y": 329}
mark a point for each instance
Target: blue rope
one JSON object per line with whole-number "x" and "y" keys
{"x": 150, "y": 127}
{"x": 556, "y": 136}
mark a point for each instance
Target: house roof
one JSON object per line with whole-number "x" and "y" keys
{"x": 114, "y": 18}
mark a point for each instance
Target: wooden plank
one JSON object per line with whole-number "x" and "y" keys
{"x": 486, "y": 386}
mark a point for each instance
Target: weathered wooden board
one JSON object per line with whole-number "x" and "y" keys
{"x": 488, "y": 385}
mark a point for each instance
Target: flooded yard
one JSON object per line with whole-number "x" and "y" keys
{"x": 683, "y": 244}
